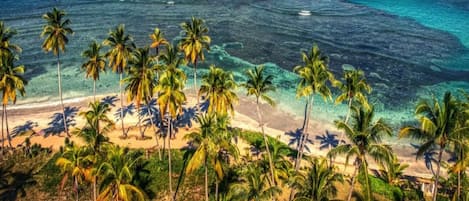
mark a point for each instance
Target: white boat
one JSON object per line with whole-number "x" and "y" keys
{"x": 304, "y": 13}
{"x": 170, "y": 2}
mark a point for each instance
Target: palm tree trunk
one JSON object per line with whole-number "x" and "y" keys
{"x": 352, "y": 184}
{"x": 437, "y": 176}
{"x": 458, "y": 191}
{"x": 142, "y": 135}
{"x": 169, "y": 158}
{"x": 6, "y": 124}
{"x": 94, "y": 90}
{"x": 305, "y": 135}
{"x": 341, "y": 139}
{"x": 206, "y": 179}
{"x": 60, "y": 95}
{"x": 216, "y": 190}
{"x": 259, "y": 115}
{"x": 122, "y": 105}
{"x": 94, "y": 189}
{"x": 154, "y": 129}
{"x": 75, "y": 183}
{"x": 195, "y": 85}
{"x": 3, "y": 134}
{"x": 367, "y": 179}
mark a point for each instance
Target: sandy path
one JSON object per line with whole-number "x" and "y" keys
{"x": 278, "y": 123}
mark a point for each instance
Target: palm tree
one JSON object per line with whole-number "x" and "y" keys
{"x": 171, "y": 97}
{"x": 254, "y": 185}
{"x": 6, "y": 47}
{"x": 95, "y": 63}
{"x": 392, "y": 171}
{"x": 218, "y": 87}
{"x": 141, "y": 80}
{"x": 280, "y": 160}
{"x": 438, "y": 126}
{"x": 206, "y": 147}
{"x": 193, "y": 45}
{"x": 157, "y": 39}
{"x": 314, "y": 75}
{"x": 97, "y": 124}
{"x": 11, "y": 82}
{"x": 259, "y": 84}
{"x": 353, "y": 88}
{"x": 317, "y": 181}
{"x": 117, "y": 172}
{"x": 365, "y": 140}
{"x": 56, "y": 30}
{"x": 75, "y": 162}
{"x": 118, "y": 56}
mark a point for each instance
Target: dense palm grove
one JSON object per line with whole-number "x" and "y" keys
{"x": 271, "y": 170}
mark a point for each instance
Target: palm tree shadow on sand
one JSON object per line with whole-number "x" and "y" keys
{"x": 56, "y": 125}
{"x": 428, "y": 156}
{"x": 26, "y": 128}
{"x": 328, "y": 140}
{"x": 127, "y": 110}
{"x": 110, "y": 100}
{"x": 295, "y": 139}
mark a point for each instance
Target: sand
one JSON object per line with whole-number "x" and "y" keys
{"x": 278, "y": 123}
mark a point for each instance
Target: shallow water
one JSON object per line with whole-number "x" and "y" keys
{"x": 404, "y": 57}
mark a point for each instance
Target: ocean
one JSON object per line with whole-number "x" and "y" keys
{"x": 408, "y": 49}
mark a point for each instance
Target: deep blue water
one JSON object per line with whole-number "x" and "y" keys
{"x": 407, "y": 49}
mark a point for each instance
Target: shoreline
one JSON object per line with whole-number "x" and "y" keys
{"x": 278, "y": 122}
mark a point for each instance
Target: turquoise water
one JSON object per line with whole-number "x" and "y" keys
{"x": 450, "y": 16}
{"x": 404, "y": 55}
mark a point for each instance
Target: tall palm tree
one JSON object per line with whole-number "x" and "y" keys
{"x": 96, "y": 126}
{"x": 317, "y": 181}
{"x": 6, "y": 47}
{"x": 218, "y": 87}
{"x": 11, "y": 82}
{"x": 314, "y": 75}
{"x": 157, "y": 39}
{"x": 353, "y": 88}
{"x": 75, "y": 162}
{"x": 171, "y": 97}
{"x": 193, "y": 45}
{"x": 56, "y": 30}
{"x": 118, "y": 56}
{"x": 365, "y": 140}
{"x": 141, "y": 80}
{"x": 117, "y": 172}
{"x": 259, "y": 84}
{"x": 94, "y": 65}
{"x": 438, "y": 126}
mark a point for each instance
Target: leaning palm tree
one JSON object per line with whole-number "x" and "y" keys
{"x": 94, "y": 65}
{"x": 117, "y": 172}
{"x": 353, "y": 88}
{"x": 438, "y": 126}
{"x": 317, "y": 181}
{"x": 56, "y": 30}
{"x": 141, "y": 80}
{"x": 193, "y": 45}
{"x": 314, "y": 75}
{"x": 259, "y": 84}
{"x": 118, "y": 56}
{"x": 6, "y": 47}
{"x": 157, "y": 39}
{"x": 218, "y": 87}
{"x": 75, "y": 162}
{"x": 365, "y": 137}
{"x": 11, "y": 82}
{"x": 171, "y": 97}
